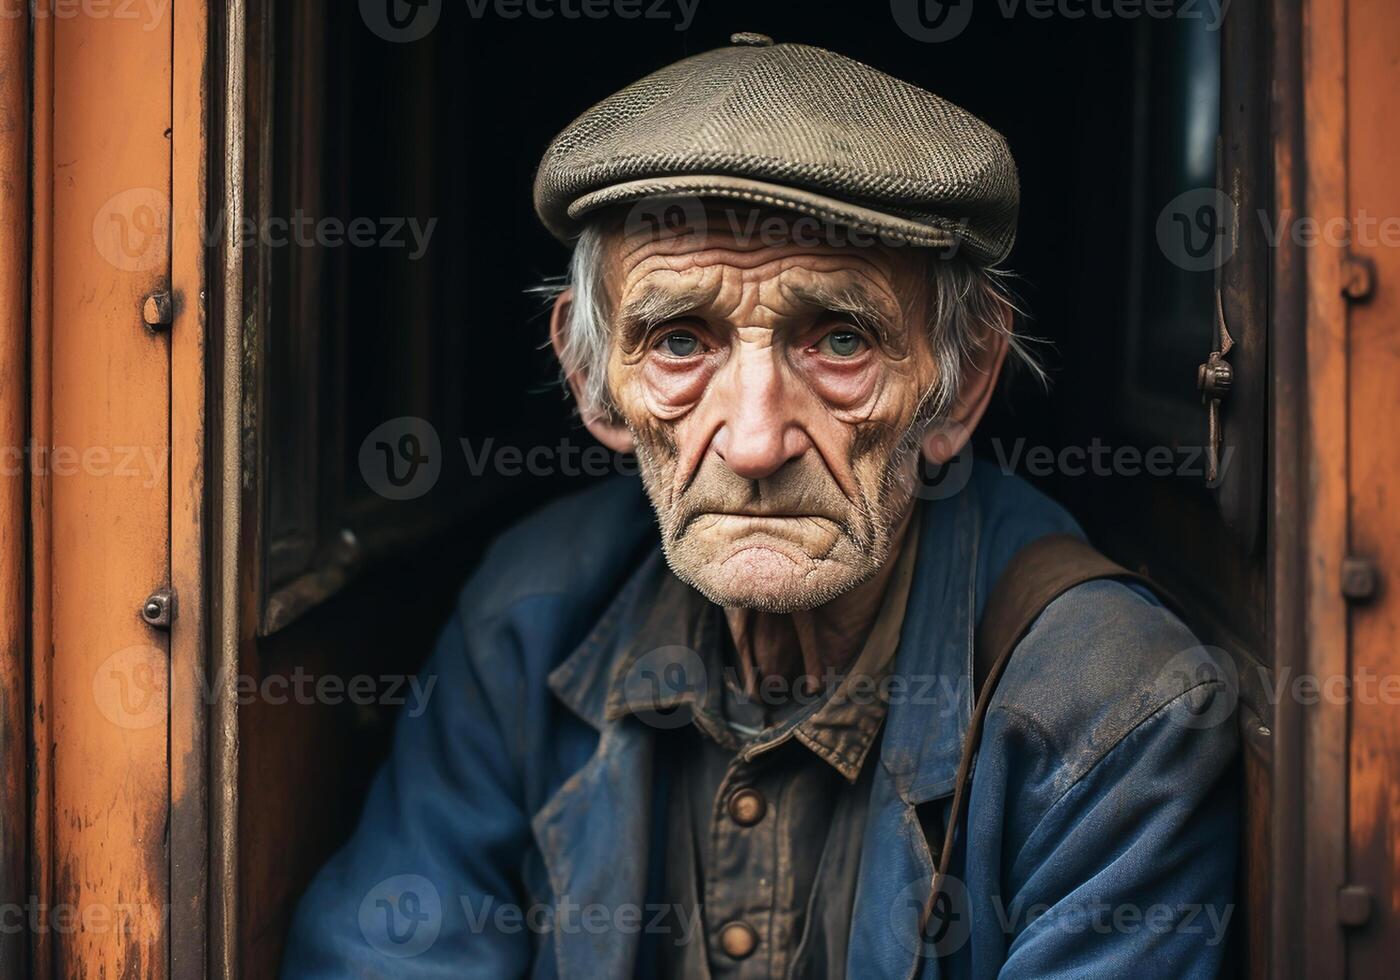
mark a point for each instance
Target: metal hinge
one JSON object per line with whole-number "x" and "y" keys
{"x": 1213, "y": 379}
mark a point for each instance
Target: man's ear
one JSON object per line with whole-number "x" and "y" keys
{"x": 947, "y": 438}
{"x": 610, "y": 433}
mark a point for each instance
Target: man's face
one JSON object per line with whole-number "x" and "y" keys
{"x": 775, "y": 394}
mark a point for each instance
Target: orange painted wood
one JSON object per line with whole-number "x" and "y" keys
{"x": 14, "y": 487}
{"x": 1325, "y": 512}
{"x": 41, "y": 818}
{"x": 105, "y": 695}
{"x": 189, "y": 707}
{"x": 1373, "y": 198}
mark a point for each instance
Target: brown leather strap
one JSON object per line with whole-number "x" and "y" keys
{"x": 1039, "y": 574}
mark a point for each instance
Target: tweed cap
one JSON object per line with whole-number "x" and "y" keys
{"x": 796, "y": 128}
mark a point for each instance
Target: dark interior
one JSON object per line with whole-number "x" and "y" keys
{"x": 452, "y": 127}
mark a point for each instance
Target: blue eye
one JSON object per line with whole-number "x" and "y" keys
{"x": 679, "y": 343}
{"x": 842, "y": 343}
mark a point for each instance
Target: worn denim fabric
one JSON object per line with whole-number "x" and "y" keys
{"x": 513, "y": 832}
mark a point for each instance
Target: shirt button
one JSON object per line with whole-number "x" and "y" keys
{"x": 738, "y": 940}
{"x": 747, "y": 807}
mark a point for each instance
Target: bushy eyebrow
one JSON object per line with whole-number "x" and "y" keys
{"x": 653, "y": 306}
{"x": 854, "y": 301}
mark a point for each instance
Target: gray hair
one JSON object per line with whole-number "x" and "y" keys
{"x": 967, "y": 302}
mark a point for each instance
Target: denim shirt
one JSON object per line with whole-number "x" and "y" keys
{"x": 514, "y": 831}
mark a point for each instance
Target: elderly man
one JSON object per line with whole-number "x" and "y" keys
{"x": 733, "y": 733}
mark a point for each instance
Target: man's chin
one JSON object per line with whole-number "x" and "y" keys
{"x": 768, "y": 575}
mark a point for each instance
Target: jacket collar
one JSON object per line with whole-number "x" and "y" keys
{"x": 609, "y": 673}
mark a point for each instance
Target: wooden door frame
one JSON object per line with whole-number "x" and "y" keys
{"x": 114, "y": 813}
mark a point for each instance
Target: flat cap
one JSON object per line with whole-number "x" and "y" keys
{"x": 796, "y": 128}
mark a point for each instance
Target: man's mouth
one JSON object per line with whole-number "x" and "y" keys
{"x": 761, "y": 521}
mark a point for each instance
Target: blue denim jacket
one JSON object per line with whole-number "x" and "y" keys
{"x": 513, "y": 831}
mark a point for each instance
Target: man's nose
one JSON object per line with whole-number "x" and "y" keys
{"x": 761, "y": 430}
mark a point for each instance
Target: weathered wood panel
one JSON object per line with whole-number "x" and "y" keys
{"x": 1373, "y": 227}
{"x": 103, "y": 694}
{"x": 14, "y": 488}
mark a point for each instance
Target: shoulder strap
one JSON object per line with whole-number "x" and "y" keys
{"x": 1039, "y": 574}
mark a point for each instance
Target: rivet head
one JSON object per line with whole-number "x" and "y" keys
{"x": 157, "y": 310}
{"x": 1358, "y": 579}
{"x": 1354, "y": 905}
{"x": 1358, "y": 278}
{"x": 738, "y": 940}
{"x": 159, "y": 609}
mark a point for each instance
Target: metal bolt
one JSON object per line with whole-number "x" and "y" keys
{"x": 158, "y": 311}
{"x": 159, "y": 608}
{"x": 1354, "y": 905}
{"x": 1359, "y": 278}
{"x": 1359, "y": 579}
